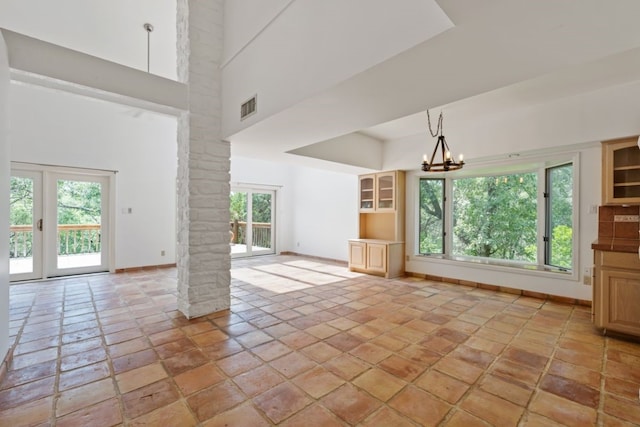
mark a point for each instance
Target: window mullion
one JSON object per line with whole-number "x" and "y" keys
{"x": 543, "y": 217}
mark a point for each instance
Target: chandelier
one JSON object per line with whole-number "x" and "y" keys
{"x": 447, "y": 163}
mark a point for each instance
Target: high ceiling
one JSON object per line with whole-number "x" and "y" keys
{"x": 499, "y": 55}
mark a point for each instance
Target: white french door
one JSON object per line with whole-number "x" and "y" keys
{"x": 25, "y": 235}
{"x": 252, "y": 222}
{"x": 59, "y": 223}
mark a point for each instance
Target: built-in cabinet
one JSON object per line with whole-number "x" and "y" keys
{"x": 378, "y": 192}
{"x": 379, "y": 257}
{"x": 616, "y": 292}
{"x": 379, "y": 248}
{"x": 621, "y": 171}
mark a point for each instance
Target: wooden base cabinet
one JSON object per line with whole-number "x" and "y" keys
{"x": 380, "y": 257}
{"x": 616, "y": 296}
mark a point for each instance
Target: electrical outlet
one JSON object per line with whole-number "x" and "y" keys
{"x": 162, "y": 253}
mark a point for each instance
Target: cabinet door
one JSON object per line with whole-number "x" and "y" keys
{"x": 367, "y": 193}
{"x": 385, "y": 191}
{"x": 621, "y": 171}
{"x": 357, "y": 255}
{"x": 377, "y": 257}
{"x": 621, "y": 301}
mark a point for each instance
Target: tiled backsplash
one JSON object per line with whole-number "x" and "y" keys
{"x": 618, "y": 222}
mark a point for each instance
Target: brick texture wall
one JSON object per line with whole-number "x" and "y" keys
{"x": 203, "y": 257}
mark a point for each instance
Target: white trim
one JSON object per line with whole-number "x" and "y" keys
{"x": 62, "y": 169}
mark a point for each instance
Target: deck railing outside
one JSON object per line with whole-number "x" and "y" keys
{"x": 261, "y": 233}
{"x": 73, "y": 239}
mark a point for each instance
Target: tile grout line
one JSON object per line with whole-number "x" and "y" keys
{"x": 603, "y": 380}
{"x": 536, "y": 388}
{"x": 109, "y": 359}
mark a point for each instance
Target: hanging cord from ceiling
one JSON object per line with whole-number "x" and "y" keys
{"x": 148, "y": 28}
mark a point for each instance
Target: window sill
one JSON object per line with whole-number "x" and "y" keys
{"x": 505, "y": 266}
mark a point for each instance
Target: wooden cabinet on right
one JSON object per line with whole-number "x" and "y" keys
{"x": 616, "y": 292}
{"x": 621, "y": 171}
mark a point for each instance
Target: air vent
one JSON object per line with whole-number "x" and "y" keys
{"x": 249, "y": 107}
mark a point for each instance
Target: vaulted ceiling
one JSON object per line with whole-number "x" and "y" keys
{"x": 497, "y": 55}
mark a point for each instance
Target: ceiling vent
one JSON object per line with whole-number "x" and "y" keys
{"x": 248, "y": 108}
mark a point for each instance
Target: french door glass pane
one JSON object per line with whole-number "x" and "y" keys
{"x": 238, "y": 210}
{"x": 261, "y": 221}
{"x": 79, "y": 206}
{"x": 21, "y": 226}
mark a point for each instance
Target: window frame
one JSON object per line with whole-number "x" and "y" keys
{"x": 548, "y": 205}
{"x": 539, "y": 166}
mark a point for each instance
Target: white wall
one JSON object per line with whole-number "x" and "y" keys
{"x": 316, "y": 209}
{"x": 4, "y": 201}
{"x": 62, "y": 129}
{"x": 325, "y": 212}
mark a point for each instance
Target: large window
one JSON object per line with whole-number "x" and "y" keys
{"x": 497, "y": 217}
{"x": 432, "y": 216}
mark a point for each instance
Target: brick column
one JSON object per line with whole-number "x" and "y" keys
{"x": 203, "y": 257}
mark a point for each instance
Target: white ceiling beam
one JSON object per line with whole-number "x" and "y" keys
{"x": 34, "y": 61}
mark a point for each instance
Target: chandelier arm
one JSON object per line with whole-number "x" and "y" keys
{"x": 433, "y": 155}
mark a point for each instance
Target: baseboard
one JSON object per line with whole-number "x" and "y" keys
{"x": 144, "y": 268}
{"x": 514, "y": 291}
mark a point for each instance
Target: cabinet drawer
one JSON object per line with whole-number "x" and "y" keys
{"x": 624, "y": 260}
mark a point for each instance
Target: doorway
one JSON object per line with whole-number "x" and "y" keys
{"x": 59, "y": 222}
{"x": 252, "y": 230}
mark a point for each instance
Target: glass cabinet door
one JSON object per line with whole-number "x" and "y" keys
{"x": 621, "y": 171}
{"x": 366, "y": 192}
{"x": 385, "y": 191}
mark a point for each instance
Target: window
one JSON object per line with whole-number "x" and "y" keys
{"x": 559, "y": 221}
{"x": 431, "y": 216}
{"x": 497, "y": 217}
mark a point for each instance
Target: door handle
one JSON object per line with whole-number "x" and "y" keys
{"x": 39, "y": 224}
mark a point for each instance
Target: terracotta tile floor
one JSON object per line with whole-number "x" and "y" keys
{"x": 307, "y": 343}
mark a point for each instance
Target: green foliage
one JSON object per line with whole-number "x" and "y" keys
{"x": 238, "y": 206}
{"x": 260, "y": 213}
{"x": 560, "y": 190}
{"x": 431, "y": 216}
{"x": 261, "y": 207}
{"x": 79, "y": 202}
{"x": 21, "y": 201}
{"x": 561, "y": 246}
{"x": 495, "y": 216}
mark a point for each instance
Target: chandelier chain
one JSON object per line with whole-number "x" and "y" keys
{"x": 438, "y": 129}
